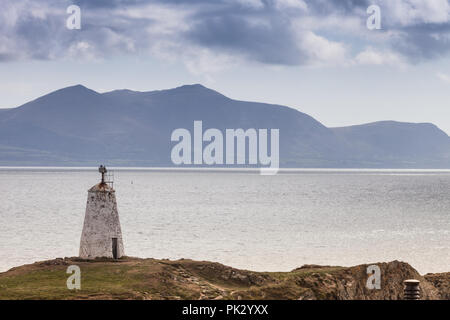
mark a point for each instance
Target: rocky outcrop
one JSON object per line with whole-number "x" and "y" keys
{"x": 441, "y": 281}
{"x": 350, "y": 283}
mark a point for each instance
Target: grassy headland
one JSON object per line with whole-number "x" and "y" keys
{"x": 133, "y": 278}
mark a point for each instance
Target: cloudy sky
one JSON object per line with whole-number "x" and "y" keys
{"x": 314, "y": 55}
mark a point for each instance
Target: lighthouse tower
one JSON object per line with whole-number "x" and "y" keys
{"x": 101, "y": 236}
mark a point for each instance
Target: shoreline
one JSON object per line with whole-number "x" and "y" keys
{"x": 220, "y": 262}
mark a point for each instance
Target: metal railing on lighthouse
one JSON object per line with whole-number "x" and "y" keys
{"x": 107, "y": 176}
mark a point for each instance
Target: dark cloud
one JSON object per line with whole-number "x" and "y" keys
{"x": 424, "y": 43}
{"x": 265, "y": 31}
{"x": 268, "y": 41}
{"x": 107, "y": 3}
{"x": 344, "y": 7}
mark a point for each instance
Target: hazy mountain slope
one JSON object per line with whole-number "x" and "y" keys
{"x": 178, "y": 108}
{"x": 76, "y": 125}
{"x": 397, "y": 142}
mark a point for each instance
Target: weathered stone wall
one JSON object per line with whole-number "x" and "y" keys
{"x": 101, "y": 224}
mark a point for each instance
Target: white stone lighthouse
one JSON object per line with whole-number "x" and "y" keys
{"x": 101, "y": 236}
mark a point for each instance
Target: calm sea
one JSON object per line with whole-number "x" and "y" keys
{"x": 239, "y": 218}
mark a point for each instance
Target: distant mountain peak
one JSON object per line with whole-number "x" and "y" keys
{"x": 196, "y": 89}
{"x": 192, "y": 86}
{"x": 392, "y": 123}
{"x": 72, "y": 91}
{"x": 63, "y": 97}
{"x": 77, "y": 86}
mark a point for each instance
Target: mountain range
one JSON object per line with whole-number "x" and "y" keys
{"x": 77, "y": 126}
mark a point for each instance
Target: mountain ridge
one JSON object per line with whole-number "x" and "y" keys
{"x": 79, "y": 126}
